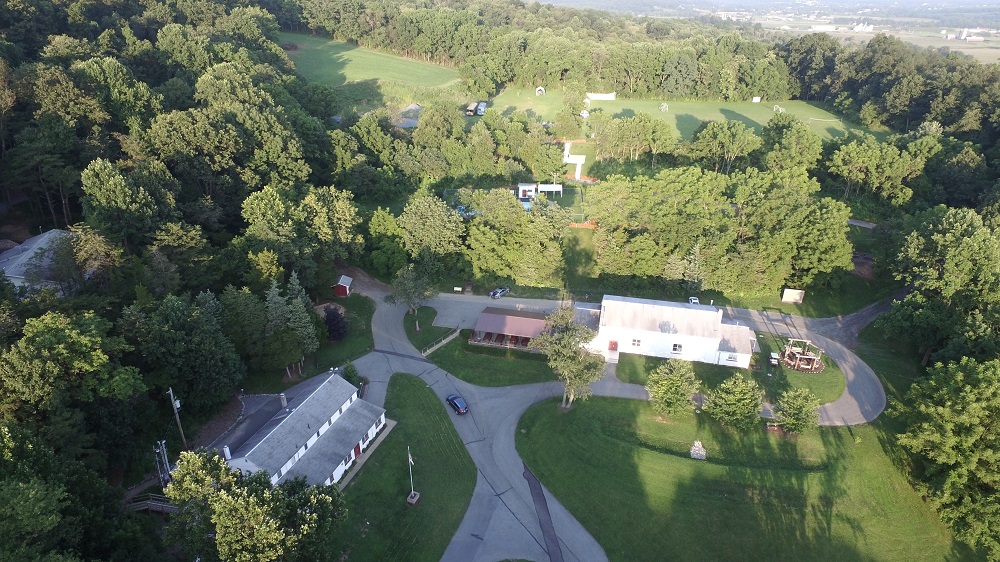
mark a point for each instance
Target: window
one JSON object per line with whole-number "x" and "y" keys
{"x": 347, "y": 460}
{"x": 378, "y": 422}
{"x": 636, "y": 343}
{"x": 365, "y": 438}
{"x": 731, "y": 357}
{"x": 678, "y": 348}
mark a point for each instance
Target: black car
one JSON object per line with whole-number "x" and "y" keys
{"x": 458, "y": 404}
{"x": 499, "y": 292}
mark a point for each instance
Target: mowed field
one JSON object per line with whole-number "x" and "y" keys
{"x": 685, "y": 116}
{"x": 335, "y": 63}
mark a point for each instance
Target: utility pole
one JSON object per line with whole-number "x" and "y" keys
{"x": 176, "y": 405}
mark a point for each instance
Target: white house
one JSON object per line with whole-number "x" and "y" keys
{"x": 317, "y": 434}
{"x": 692, "y": 332}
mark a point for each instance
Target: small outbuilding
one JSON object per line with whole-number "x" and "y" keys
{"x": 343, "y": 286}
{"x": 500, "y": 327}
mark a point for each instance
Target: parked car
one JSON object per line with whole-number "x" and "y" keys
{"x": 458, "y": 404}
{"x": 499, "y": 292}
{"x": 693, "y": 300}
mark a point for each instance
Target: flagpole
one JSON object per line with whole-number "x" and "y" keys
{"x": 409, "y": 462}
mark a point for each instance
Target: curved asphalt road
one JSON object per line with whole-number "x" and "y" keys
{"x": 501, "y": 521}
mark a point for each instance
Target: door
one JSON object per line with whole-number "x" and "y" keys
{"x": 357, "y": 450}
{"x": 612, "y": 346}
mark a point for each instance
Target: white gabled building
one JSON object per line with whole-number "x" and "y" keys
{"x": 692, "y": 332}
{"x": 318, "y": 433}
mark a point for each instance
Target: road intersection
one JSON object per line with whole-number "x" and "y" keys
{"x": 511, "y": 515}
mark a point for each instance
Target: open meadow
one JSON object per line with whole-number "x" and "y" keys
{"x": 366, "y": 79}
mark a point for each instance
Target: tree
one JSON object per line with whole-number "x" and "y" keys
{"x": 951, "y": 427}
{"x": 227, "y": 517}
{"x": 563, "y": 343}
{"x": 336, "y": 323}
{"x": 720, "y": 143}
{"x": 671, "y": 386}
{"x": 351, "y": 375}
{"x": 736, "y": 402}
{"x": 411, "y": 286}
{"x": 121, "y": 211}
{"x": 183, "y": 346}
{"x": 63, "y": 358}
{"x": 428, "y": 224}
{"x": 797, "y": 410}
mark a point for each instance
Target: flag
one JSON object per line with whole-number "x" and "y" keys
{"x": 409, "y": 456}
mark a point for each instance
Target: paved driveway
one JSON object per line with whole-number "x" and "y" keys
{"x": 503, "y": 519}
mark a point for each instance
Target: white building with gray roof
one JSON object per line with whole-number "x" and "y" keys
{"x": 28, "y": 263}
{"x": 692, "y": 332}
{"x": 318, "y": 433}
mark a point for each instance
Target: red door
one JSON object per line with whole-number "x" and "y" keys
{"x": 357, "y": 450}
{"x": 612, "y": 346}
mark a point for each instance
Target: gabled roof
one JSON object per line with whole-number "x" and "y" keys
{"x": 14, "y": 262}
{"x": 510, "y": 322}
{"x": 660, "y": 316}
{"x": 279, "y": 439}
{"x": 334, "y": 445}
{"x": 737, "y": 339}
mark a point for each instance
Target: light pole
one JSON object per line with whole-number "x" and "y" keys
{"x": 176, "y": 405}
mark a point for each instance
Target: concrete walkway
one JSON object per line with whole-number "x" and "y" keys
{"x": 504, "y": 519}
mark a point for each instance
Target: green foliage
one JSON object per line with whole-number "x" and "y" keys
{"x": 350, "y": 374}
{"x": 225, "y": 517}
{"x": 797, "y": 410}
{"x": 950, "y": 427}
{"x": 429, "y": 225}
{"x": 671, "y": 386}
{"x": 736, "y": 402}
{"x": 563, "y": 343}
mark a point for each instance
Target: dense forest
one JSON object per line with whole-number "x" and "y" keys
{"x": 208, "y": 192}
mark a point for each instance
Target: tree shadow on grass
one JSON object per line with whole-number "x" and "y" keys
{"x": 687, "y": 124}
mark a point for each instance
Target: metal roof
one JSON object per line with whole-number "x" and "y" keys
{"x": 276, "y": 442}
{"x": 663, "y": 317}
{"x": 326, "y": 454}
{"x": 345, "y": 281}
{"x": 14, "y": 262}
{"x": 737, "y": 339}
{"x": 510, "y": 322}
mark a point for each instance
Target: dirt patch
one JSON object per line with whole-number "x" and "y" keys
{"x": 321, "y": 308}
{"x": 864, "y": 265}
{"x": 16, "y": 232}
{"x": 219, "y": 424}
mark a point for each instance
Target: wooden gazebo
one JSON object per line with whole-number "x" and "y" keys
{"x": 802, "y": 355}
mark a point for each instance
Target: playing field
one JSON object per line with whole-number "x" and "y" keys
{"x": 685, "y": 116}
{"x": 335, "y": 63}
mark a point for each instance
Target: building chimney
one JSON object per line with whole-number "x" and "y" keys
{"x": 226, "y": 453}
{"x": 284, "y": 401}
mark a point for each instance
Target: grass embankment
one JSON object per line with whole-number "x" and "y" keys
{"x": 428, "y": 333}
{"x": 380, "y": 525}
{"x": 827, "y": 385}
{"x": 832, "y": 494}
{"x": 488, "y": 366}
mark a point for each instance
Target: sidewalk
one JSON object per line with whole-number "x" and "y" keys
{"x": 389, "y": 424}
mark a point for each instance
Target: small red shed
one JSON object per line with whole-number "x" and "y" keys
{"x": 343, "y": 286}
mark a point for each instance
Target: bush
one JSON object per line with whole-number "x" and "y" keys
{"x": 671, "y": 385}
{"x": 350, "y": 374}
{"x": 336, "y": 323}
{"x": 797, "y": 410}
{"x": 736, "y": 402}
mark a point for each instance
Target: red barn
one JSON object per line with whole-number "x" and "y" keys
{"x": 343, "y": 286}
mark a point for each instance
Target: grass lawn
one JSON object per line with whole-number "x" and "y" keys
{"x": 359, "y": 341}
{"x": 488, "y": 366}
{"x": 832, "y": 494}
{"x": 684, "y": 116}
{"x": 380, "y": 525}
{"x": 827, "y": 385}
{"x": 428, "y": 333}
{"x": 335, "y": 63}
